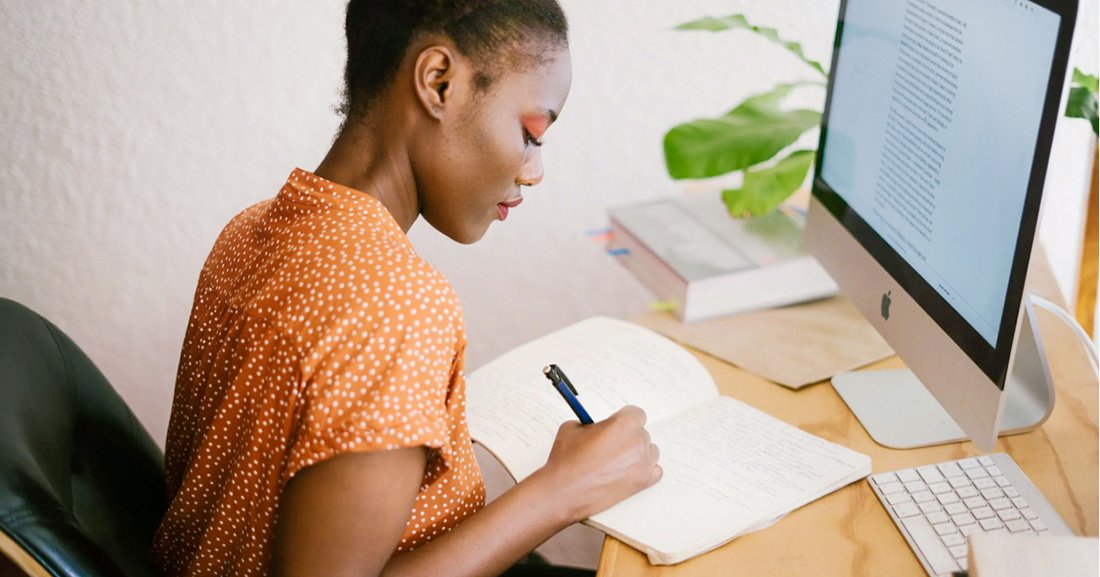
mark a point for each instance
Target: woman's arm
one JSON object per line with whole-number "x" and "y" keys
{"x": 346, "y": 519}
{"x": 344, "y": 516}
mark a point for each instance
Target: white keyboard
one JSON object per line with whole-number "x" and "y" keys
{"x": 936, "y": 507}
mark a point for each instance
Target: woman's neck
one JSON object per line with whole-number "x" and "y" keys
{"x": 369, "y": 155}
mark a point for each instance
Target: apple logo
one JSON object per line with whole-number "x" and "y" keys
{"x": 886, "y": 306}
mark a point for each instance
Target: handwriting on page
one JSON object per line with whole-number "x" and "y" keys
{"x": 640, "y": 368}
{"x": 762, "y": 459}
{"x": 728, "y": 469}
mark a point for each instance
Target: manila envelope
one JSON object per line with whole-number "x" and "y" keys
{"x": 794, "y": 346}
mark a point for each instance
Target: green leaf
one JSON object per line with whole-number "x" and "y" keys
{"x": 1086, "y": 80}
{"x": 763, "y": 190}
{"x": 738, "y": 21}
{"x": 1082, "y": 104}
{"x": 753, "y": 132}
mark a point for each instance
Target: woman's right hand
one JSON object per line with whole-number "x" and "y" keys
{"x": 595, "y": 466}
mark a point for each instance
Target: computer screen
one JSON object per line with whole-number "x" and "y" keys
{"x": 933, "y": 153}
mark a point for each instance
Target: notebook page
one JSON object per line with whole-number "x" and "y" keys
{"x": 729, "y": 469}
{"x": 515, "y": 412}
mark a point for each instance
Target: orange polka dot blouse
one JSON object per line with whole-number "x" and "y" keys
{"x": 316, "y": 331}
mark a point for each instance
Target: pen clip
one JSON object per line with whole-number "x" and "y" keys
{"x": 555, "y": 374}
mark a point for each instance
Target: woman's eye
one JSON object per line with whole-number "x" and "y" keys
{"x": 529, "y": 139}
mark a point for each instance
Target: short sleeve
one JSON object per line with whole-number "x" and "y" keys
{"x": 375, "y": 389}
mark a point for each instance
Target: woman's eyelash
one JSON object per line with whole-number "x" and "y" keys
{"x": 529, "y": 139}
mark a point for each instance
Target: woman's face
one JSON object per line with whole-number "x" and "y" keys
{"x": 493, "y": 149}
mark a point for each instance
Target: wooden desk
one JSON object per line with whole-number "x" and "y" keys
{"x": 848, "y": 532}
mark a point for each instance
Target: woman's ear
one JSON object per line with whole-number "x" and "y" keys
{"x": 434, "y": 76}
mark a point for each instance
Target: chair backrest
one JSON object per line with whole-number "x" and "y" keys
{"x": 81, "y": 482}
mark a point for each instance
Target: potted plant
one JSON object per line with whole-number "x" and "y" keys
{"x": 748, "y": 137}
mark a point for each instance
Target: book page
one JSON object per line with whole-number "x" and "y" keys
{"x": 729, "y": 469}
{"x": 515, "y": 412}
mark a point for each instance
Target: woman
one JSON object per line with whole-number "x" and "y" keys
{"x": 318, "y": 423}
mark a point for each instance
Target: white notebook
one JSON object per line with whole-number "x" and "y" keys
{"x": 729, "y": 469}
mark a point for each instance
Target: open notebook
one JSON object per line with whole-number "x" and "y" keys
{"x": 729, "y": 469}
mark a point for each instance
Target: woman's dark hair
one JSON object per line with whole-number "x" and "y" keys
{"x": 485, "y": 31}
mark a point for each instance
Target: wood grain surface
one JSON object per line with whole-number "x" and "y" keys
{"x": 847, "y": 532}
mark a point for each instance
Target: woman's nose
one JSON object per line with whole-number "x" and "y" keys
{"x": 531, "y": 173}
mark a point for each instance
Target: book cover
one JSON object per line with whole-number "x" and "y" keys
{"x": 691, "y": 253}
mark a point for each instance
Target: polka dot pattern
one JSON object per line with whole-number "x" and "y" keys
{"x": 316, "y": 331}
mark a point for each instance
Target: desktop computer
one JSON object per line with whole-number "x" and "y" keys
{"x": 934, "y": 144}
{"x": 927, "y": 188}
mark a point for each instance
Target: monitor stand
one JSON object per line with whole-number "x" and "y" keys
{"x": 898, "y": 412}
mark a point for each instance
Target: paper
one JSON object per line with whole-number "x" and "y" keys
{"x": 728, "y": 468}
{"x": 794, "y": 346}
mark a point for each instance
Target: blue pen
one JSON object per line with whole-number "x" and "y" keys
{"x": 568, "y": 392}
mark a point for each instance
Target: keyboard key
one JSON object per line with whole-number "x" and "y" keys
{"x": 908, "y": 476}
{"x": 923, "y": 496}
{"x": 915, "y": 486}
{"x": 906, "y": 510}
{"x": 969, "y": 530}
{"x": 974, "y": 502}
{"x": 939, "y": 488}
{"x": 1029, "y": 515}
{"x": 889, "y": 488}
{"x": 955, "y": 508}
{"x": 985, "y": 483}
{"x": 1008, "y": 514}
{"x": 1019, "y": 503}
{"x": 983, "y": 513}
{"x": 993, "y": 493}
{"x": 954, "y": 539}
{"x": 994, "y": 471}
{"x": 966, "y": 492}
{"x": 962, "y": 562}
{"x": 986, "y": 460}
{"x": 944, "y": 529}
{"x": 930, "y": 507}
{"x": 883, "y": 478}
{"x": 963, "y": 519}
{"x": 976, "y": 473}
{"x": 928, "y": 541}
{"x": 958, "y": 551}
{"x": 947, "y": 498}
{"x": 1011, "y": 492}
{"x": 1038, "y": 525}
{"x": 937, "y": 517}
{"x": 968, "y": 464}
{"x": 959, "y": 482}
{"x": 950, "y": 469}
{"x": 930, "y": 474}
{"x": 898, "y": 498}
{"x": 999, "y": 504}
{"x": 1018, "y": 525}
{"x": 1002, "y": 481}
{"x": 991, "y": 524}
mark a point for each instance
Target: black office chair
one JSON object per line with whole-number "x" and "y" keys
{"x": 81, "y": 482}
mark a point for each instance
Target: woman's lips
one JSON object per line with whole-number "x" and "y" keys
{"x": 504, "y": 207}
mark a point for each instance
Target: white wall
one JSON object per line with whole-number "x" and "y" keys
{"x": 133, "y": 130}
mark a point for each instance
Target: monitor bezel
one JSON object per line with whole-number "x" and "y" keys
{"x": 993, "y": 360}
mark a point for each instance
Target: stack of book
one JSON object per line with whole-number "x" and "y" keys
{"x": 705, "y": 263}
